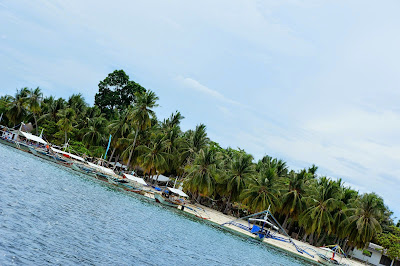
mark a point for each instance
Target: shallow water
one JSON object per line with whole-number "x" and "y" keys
{"x": 49, "y": 215}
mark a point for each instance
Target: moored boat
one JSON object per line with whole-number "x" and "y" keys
{"x": 171, "y": 197}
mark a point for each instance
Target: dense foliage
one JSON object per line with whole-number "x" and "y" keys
{"x": 314, "y": 208}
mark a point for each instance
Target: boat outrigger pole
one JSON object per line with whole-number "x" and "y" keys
{"x": 267, "y": 220}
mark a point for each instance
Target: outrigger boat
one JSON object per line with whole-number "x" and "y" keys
{"x": 263, "y": 225}
{"x": 171, "y": 197}
{"x": 330, "y": 255}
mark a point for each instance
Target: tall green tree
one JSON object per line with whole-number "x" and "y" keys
{"x": 202, "y": 175}
{"x": 153, "y": 158}
{"x": 263, "y": 192}
{"x": 322, "y": 199}
{"x": 35, "y": 97}
{"x": 241, "y": 170}
{"x": 96, "y": 132}
{"x": 362, "y": 223}
{"x": 292, "y": 200}
{"x": 17, "y": 107}
{"x": 117, "y": 92}
{"x": 140, "y": 115}
{"x": 66, "y": 121}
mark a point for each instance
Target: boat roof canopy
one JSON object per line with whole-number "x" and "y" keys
{"x": 102, "y": 168}
{"x": 136, "y": 179}
{"x": 32, "y": 137}
{"x": 161, "y": 178}
{"x": 73, "y": 156}
{"x": 178, "y": 191}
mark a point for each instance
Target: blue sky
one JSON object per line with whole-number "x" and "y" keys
{"x": 305, "y": 81}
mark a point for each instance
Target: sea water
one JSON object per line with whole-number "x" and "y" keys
{"x": 51, "y": 215}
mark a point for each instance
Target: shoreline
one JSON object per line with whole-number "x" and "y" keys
{"x": 215, "y": 219}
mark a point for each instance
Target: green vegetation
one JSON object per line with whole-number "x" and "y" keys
{"x": 314, "y": 208}
{"x": 391, "y": 242}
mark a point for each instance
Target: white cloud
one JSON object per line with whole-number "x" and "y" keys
{"x": 194, "y": 84}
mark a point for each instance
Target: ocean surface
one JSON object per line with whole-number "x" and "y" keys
{"x": 51, "y": 215}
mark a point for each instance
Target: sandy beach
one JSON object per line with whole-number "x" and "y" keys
{"x": 219, "y": 218}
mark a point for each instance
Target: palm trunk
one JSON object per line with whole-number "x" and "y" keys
{"x": 321, "y": 240}
{"x": 65, "y": 137}
{"x": 227, "y": 204}
{"x": 311, "y": 239}
{"x": 285, "y": 222}
{"x": 115, "y": 162}
{"x": 36, "y": 127}
{"x": 305, "y": 237}
{"x": 129, "y": 159}
{"x": 112, "y": 154}
{"x": 133, "y": 148}
{"x": 198, "y": 198}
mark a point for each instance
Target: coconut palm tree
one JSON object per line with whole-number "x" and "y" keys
{"x": 77, "y": 103}
{"x": 362, "y": 223}
{"x": 17, "y": 108}
{"x": 195, "y": 141}
{"x": 241, "y": 170}
{"x": 153, "y": 158}
{"x": 118, "y": 128}
{"x": 140, "y": 115}
{"x": 66, "y": 121}
{"x": 35, "y": 97}
{"x": 203, "y": 173}
{"x": 322, "y": 199}
{"x": 268, "y": 162}
{"x": 292, "y": 203}
{"x": 50, "y": 108}
{"x": 263, "y": 192}
{"x": 173, "y": 121}
{"x": 95, "y": 133}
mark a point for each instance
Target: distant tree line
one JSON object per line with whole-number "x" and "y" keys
{"x": 313, "y": 208}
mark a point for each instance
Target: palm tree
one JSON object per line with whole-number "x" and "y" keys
{"x": 50, "y": 108}
{"x": 362, "y": 224}
{"x": 313, "y": 170}
{"x": 173, "y": 121}
{"x": 95, "y": 133}
{"x": 140, "y": 115}
{"x": 203, "y": 173}
{"x": 263, "y": 192}
{"x": 77, "y": 103}
{"x": 322, "y": 199}
{"x": 241, "y": 170}
{"x": 35, "y": 97}
{"x": 17, "y": 108}
{"x": 268, "y": 162}
{"x": 153, "y": 158}
{"x": 67, "y": 119}
{"x": 195, "y": 141}
{"x": 292, "y": 204}
{"x": 118, "y": 128}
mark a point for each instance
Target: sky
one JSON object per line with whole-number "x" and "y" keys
{"x": 310, "y": 82}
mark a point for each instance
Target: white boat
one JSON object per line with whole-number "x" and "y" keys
{"x": 171, "y": 197}
{"x": 330, "y": 255}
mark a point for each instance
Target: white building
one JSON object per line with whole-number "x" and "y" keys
{"x": 376, "y": 258}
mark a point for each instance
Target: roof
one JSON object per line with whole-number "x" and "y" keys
{"x": 73, "y": 156}
{"x": 178, "y": 191}
{"x": 161, "y": 178}
{"x": 136, "y": 179}
{"x": 32, "y": 137}
{"x": 375, "y": 247}
{"x": 102, "y": 168}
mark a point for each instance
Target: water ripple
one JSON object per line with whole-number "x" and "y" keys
{"x": 52, "y": 216}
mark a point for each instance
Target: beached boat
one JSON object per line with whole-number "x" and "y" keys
{"x": 330, "y": 255}
{"x": 263, "y": 225}
{"x": 20, "y": 139}
{"x": 171, "y": 197}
